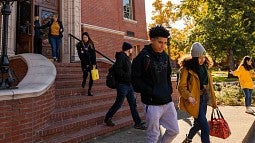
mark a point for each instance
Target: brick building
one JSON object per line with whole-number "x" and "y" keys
{"x": 108, "y": 22}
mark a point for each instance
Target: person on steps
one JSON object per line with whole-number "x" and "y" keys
{"x": 87, "y": 55}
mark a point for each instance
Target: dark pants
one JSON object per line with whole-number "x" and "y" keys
{"x": 55, "y": 42}
{"x": 200, "y": 123}
{"x": 87, "y": 71}
{"x": 38, "y": 45}
{"x": 124, "y": 90}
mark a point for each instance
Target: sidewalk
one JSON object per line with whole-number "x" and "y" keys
{"x": 242, "y": 126}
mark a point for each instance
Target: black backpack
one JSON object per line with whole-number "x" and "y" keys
{"x": 111, "y": 80}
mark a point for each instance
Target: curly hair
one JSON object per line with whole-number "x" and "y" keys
{"x": 158, "y": 31}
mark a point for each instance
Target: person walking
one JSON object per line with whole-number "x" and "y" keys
{"x": 37, "y": 36}
{"x": 55, "y": 35}
{"x": 196, "y": 90}
{"x": 244, "y": 74}
{"x": 87, "y": 54}
{"x": 151, "y": 76}
{"x": 122, "y": 69}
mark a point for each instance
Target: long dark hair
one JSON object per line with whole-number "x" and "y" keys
{"x": 89, "y": 42}
{"x": 244, "y": 63}
{"x": 191, "y": 63}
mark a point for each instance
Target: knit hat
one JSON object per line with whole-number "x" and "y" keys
{"x": 126, "y": 46}
{"x": 197, "y": 50}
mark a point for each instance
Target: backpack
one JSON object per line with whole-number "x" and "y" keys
{"x": 111, "y": 80}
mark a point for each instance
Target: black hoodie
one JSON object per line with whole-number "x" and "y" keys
{"x": 123, "y": 68}
{"x": 151, "y": 76}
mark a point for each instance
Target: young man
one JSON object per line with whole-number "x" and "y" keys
{"x": 122, "y": 69}
{"x": 151, "y": 76}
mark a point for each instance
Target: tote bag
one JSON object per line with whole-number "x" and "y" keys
{"x": 218, "y": 125}
{"x": 94, "y": 73}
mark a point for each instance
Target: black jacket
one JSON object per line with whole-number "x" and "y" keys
{"x": 87, "y": 54}
{"x": 122, "y": 68}
{"x": 151, "y": 76}
{"x": 38, "y": 32}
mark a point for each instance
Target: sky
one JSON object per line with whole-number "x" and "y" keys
{"x": 149, "y": 8}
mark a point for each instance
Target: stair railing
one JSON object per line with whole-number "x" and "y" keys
{"x": 72, "y": 50}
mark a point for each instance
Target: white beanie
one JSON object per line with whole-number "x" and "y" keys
{"x": 197, "y": 50}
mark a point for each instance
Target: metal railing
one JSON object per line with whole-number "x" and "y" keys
{"x": 72, "y": 50}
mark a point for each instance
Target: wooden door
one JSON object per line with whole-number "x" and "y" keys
{"x": 45, "y": 9}
{"x": 24, "y": 27}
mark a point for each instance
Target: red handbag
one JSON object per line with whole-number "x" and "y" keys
{"x": 218, "y": 126}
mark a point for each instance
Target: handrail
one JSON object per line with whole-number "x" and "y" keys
{"x": 95, "y": 49}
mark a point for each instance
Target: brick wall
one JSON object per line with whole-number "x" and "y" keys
{"x": 20, "y": 119}
{"x": 19, "y": 68}
{"x": 109, "y": 15}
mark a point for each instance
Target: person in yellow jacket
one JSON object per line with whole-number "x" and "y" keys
{"x": 196, "y": 90}
{"x": 245, "y": 78}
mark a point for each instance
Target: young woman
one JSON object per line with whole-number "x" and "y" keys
{"x": 87, "y": 55}
{"x": 55, "y": 35}
{"x": 196, "y": 90}
{"x": 245, "y": 78}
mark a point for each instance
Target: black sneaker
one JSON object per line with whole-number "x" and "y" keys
{"x": 109, "y": 122}
{"x": 89, "y": 93}
{"x": 141, "y": 126}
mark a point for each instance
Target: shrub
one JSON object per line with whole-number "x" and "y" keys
{"x": 231, "y": 95}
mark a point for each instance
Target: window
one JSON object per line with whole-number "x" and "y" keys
{"x": 127, "y": 9}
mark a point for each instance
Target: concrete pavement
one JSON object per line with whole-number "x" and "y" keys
{"x": 242, "y": 126}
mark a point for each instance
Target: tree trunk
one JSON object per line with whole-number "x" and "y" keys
{"x": 231, "y": 63}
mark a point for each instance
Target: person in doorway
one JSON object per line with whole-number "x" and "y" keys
{"x": 55, "y": 35}
{"x": 87, "y": 55}
{"x": 196, "y": 90}
{"x": 151, "y": 76}
{"x": 244, "y": 74}
{"x": 37, "y": 36}
{"x": 124, "y": 89}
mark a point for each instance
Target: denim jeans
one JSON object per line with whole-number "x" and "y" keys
{"x": 124, "y": 90}
{"x": 248, "y": 95}
{"x": 55, "y": 42}
{"x": 200, "y": 123}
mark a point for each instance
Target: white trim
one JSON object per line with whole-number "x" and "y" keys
{"x": 130, "y": 20}
{"x": 97, "y": 28}
{"x": 136, "y": 39}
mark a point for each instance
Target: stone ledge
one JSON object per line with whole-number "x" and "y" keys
{"x": 40, "y": 76}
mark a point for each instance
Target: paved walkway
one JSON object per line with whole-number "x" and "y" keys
{"x": 242, "y": 126}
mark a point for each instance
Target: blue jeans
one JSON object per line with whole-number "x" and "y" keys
{"x": 124, "y": 90}
{"x": 55, "y": 42}
{"x": 200, "y": 123}
{"x": 248, "y": 95}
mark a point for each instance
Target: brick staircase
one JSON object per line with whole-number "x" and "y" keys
{"x": 78, "y": 117}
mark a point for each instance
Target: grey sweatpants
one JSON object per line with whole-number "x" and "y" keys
{"x": 161, "y": 115}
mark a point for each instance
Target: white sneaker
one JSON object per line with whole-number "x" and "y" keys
{"x": 249, "y": 111}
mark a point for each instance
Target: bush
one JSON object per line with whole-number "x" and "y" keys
{"x": 231, "y": 95}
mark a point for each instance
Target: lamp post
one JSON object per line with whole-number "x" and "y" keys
{"x": 6, "y": 79}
